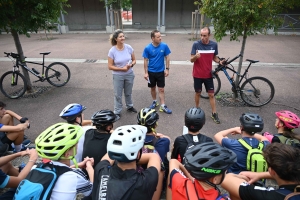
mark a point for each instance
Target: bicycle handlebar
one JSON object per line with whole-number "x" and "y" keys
{"x": 233, "y": 59}
{"x": 14, "y": 55}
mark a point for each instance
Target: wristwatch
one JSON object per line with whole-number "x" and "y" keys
{"x": 167, "y": 68}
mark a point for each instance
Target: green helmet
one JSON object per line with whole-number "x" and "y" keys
{"x": 57, "y": 139}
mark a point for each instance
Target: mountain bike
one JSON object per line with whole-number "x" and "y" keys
{"x": 13, "y": 84}
{"x": 255, "y": 91}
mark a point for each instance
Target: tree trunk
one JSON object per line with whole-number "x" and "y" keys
{"x": 237, "y": 78}
{"x": 118, "y": 20}
{"x": 202, "y": 21}
{"x": 20, "y": 52}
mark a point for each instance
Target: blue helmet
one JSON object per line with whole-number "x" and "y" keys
{"x": 71, "y": 111}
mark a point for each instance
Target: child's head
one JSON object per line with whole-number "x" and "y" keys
{"x": 194, "y": 119}
{"x": 71, "y": 112}
{"x": 284, "y": 160}
{"x": 148, "y": 117}
{"x": 208, "y": 162}
{"x": 59, "y": 142}
{"x": 251, "y": 123}
{"x": 126, "y": 142}
{"x": 104, "y": 119}
{"x": 287, "y": 119}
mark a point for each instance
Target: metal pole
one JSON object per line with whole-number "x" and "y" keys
{"x": 163, "y": 13}
{"x": 107, "y": 14}
{"x": 158, "y": 15}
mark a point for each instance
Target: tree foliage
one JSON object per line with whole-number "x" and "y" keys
{"x": 250, "y": 16}
{"x": 25, "y": 16}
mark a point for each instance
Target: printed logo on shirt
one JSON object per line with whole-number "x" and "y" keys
{"x": 162, "y": 50}
{"x": 103, "y": 187}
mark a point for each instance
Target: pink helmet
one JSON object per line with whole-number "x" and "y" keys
{"x": 269, "y": 136}
{"x": 289, "y": 119}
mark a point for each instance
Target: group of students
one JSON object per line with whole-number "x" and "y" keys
{"x": 131, "y": 162}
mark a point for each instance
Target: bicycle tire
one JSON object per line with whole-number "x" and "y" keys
{"x": 257, "y": 91}
{"x": 217, "y": 86}
{"x": 61, "y": 75}
{"x": 13, "y": 84}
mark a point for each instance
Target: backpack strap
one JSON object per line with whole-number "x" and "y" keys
{"x": 287, "y": 197}
{"x": 190, "y": 188}
{"x": 190, "y": 141}
{"x": 59, "y": 170}
{"x": 247, "y": 146}
{"x": 281, "y": 137}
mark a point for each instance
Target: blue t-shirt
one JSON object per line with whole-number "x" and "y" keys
{"x": 121, "y": 58}
{"x": 1, "y": 125}
{"x": 156, "y": 56}
{"x": 3, "y": 179}
{"x": 162, "y": 146}
{"x": 240, "y": 151}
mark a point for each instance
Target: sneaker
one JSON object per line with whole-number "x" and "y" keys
{"x": 165, "y": 109}
{"x": 154, "y": 104}
{"x": 3, "y": 149}
{"x": 118, "y": 116}
{"x": 215, "y": 117}
{"x": 25, "y": 144}
{"x": 21, "y": 167}
{"x": 132, "y": 109}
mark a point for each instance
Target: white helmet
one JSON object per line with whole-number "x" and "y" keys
{"x": 125, "y": 142}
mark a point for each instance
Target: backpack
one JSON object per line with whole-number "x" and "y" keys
{"x": 103, "y": 190}
{"x": 40, "y": 182}
{"x": 255, "y": 160}
{"x": 290, "y": 195}
{"x": 289, "y": 141}
{"x": 191, "y": 142}
{"x": 192, "y": 194}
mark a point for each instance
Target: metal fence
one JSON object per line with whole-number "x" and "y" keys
{"x": 290, "y": 22}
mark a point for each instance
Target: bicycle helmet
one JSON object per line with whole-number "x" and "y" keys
{"x": 125, "y": 143}
{"x": 71, "y": 111}
{"x": 147, "y": 117}
{"x": 251, "y": 123}
{"x": 103, "y": 118}
{"x": 289, "y": 119}
{"x": 57, "y": 139}
{"x": 194, "y": 119}
{"x": 209, "y": 159}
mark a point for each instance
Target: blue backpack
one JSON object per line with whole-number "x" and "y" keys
{"x": 289, "y": 195}
{"x": 39, "y": 183}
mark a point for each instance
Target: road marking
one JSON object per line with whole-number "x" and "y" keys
{"x": 186, "y": 62}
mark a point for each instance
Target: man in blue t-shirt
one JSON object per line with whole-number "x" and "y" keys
{"x": 155, "y": 70}
{"x": 250, "y": 124}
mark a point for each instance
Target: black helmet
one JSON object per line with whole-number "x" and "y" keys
{"x": 194, "y": 119}
{"x": 209, "y": 159}
{"x": 251, "y": 123}
{"x": 147, "y": 117}
{"x": 103, "y": 118}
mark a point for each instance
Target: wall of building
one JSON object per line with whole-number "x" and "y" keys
{"x": 86, "y": 15}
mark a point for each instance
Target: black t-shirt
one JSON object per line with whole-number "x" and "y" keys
{"x": 114, "y": 185}
{"x": 94, "y": 145}
{"x": 180, "y": 145}
{"x": 250, "y": 192}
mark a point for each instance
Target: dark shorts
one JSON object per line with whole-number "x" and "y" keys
{"x": 4, "y": 139}
{"x": 156, "y": 78}
{"x": 208, "y": 83}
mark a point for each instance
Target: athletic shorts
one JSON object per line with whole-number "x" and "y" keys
{"x": 208, "y": 83}
{"x": 156, "y": 78}
{"x": 4, "y": 139}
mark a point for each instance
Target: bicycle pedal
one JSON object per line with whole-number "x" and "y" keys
{"x": 35, "y": 71}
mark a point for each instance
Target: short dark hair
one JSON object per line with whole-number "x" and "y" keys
{"x": 153, "y": 33}
{"x": 207, "y": 28}
{"x": 284, "y": 160}
{"x": 2, "y": 105}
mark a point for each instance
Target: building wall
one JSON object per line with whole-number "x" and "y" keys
{"x": 86, "y": 15}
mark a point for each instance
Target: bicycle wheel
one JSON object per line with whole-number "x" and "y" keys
{"x": 58, "y": 74}
{"x": 257, "y": 91}
{"x": 13, "y": 84}
{"x": 217, "y": 86}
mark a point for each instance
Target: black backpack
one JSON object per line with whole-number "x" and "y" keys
{"x": 289, "y": 195}
{"x": 191, "y": 142}
{"x": 40, "y": 182}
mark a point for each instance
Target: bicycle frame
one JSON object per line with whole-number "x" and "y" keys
{"x": 241, "y": 77}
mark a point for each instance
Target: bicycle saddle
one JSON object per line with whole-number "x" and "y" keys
{"x": 45, "y": 53}
{"x": 252, "y": 61}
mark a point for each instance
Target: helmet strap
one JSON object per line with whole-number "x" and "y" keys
{"x": 72, "y": 157}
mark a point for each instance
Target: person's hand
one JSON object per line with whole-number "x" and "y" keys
{"x": 197, "y": 55}
{"x": 146, "y": 76}
{"x": 89, "y": 160}
{"x": 127, "y": 67}
{"x": 236, "y": 131}
{"x": 24, "y": 153}
{"x": 89, "y": 164}
{"x": 166, "y": 72}
{"x": 251, "y": 176}
{"x": 33, "y": 155}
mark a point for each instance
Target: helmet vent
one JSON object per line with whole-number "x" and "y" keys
{"x": 117, "y": 142}
{"x": 140, "y": 137}
{"x": 121, "y": 134}
{"x": 133, "y": 139}
{"x": 58, "y": 139}
{"x": 203, "y": 161}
